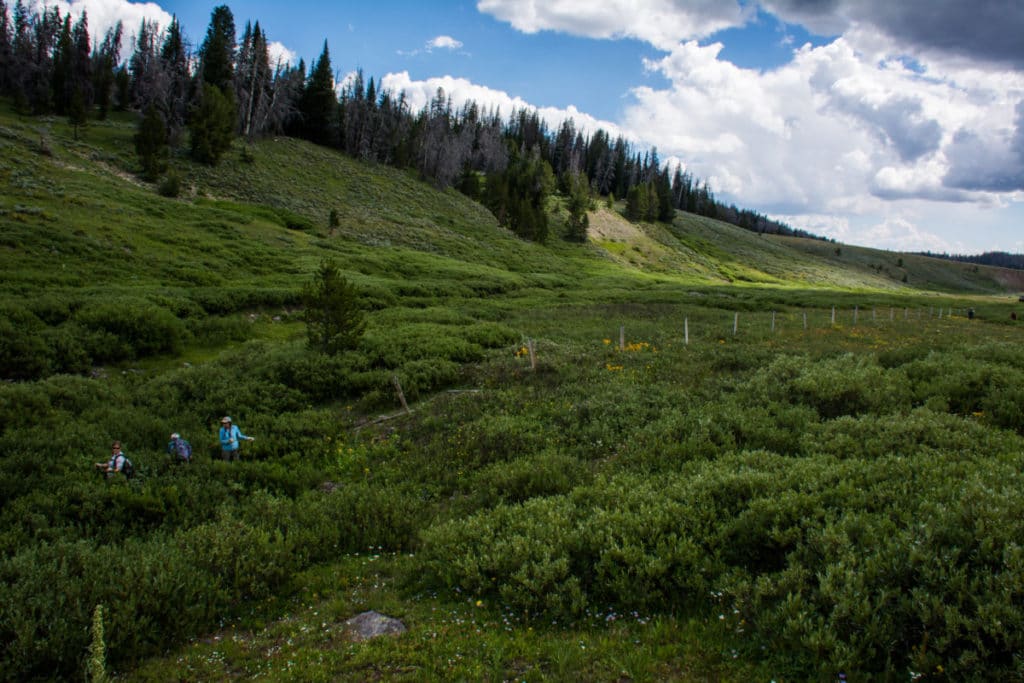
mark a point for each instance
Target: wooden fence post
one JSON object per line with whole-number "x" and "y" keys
{"x": 805, "y": 321}
{"x": 533, "y": 354}
{"x": 622, "y": 337}
{"x": 401, "y": 394}
{"x": 833, "y": 315}
{"x": 773, "y": 321}
{"x": 735, "y": 323}
{"x": 855, "y": 316}
{"x": 686, "y": 331}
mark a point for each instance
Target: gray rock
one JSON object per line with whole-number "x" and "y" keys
{"x": 371, "y": 625}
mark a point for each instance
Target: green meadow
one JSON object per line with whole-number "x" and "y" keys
{"x": 674, "y": 452}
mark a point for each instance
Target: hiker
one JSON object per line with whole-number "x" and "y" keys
{"x": 230, "y": 435}
{"x": 118, "y": 462}
{"x": 180, "y": 449}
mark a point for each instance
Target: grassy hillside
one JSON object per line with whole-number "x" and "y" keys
{"x": 746, "y": 488}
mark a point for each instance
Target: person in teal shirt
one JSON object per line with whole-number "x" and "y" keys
{"x": 230, "y": 436}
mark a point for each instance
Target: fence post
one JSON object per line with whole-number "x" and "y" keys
{"x": 533, "y": 354}
{"x": 401, "y": 394}
{"x": 735, "y": 323}
{"x": 773, "y": 321}
{"x": 805, "y": 321}
{"x": 622, "y": 337}
{"x": 686, "y": 331}
{"x": 833, "y": 315}
{"x": 855, "y": 316}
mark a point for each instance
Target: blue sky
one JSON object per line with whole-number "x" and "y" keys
{"x": 897, "y": 125}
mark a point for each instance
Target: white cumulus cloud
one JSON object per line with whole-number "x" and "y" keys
{"x": 419, "y": 92}
{"x": 443, "y": 43}
{"x": 103, "y": 15}
{"x": 662, "y": 23}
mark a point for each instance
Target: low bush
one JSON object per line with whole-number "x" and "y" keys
{"x": 530, "y": 476}
{"x": 129, "y": 329}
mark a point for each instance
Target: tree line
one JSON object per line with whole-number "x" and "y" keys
{"x": 1000, "y": 259}
{"x": 228, "y": 87}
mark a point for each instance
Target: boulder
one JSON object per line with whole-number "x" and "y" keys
{"x": 371, "y": 625}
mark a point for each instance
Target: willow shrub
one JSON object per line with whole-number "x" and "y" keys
{"x": 172, "y": 585}
{"x": 873, "y": 561}
{"x": 129, "y": 329}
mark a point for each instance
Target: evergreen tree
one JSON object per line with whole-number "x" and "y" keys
{"x": 6, "y": 49}
{"x": 151, "y": 143}
{"x": 253, "y": 82}
{"x": 122, "y": 89}
{"x": 578, "y": 205}
{"x": 20, "y": 72}
{"x": 146, "y": 84}
{"x": 217, "y": 53}
{"x": 319, "y": 104}
{"x": 61, "y": 77}
{"x": 45, "y": 31}
{"x": 334, "y": 317}
{"x": 79, "y": 91}
{"x": 663, "y": 195}
{"x": 105, "y": 61}
{"x": 518, "y": 195}
{"x": 636, "y": 203}
{"x": 174, "y": 76}
{"x": 212, "y": 125}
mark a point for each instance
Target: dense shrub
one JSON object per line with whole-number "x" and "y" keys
{"x": 324, "y": 377}
{"x": 24, "y": 353}
{"x": 130, "y": 329}
{"x": 844, "y": 385}
{"x": 862, "y": 565}
{"x": 491, "y": 335}
{"x": 533, "y": 475}
{"x": 393, "y": 348}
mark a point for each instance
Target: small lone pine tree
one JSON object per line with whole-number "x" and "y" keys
{"x": 578, "y": 203}
{"x": 333, "y": 315}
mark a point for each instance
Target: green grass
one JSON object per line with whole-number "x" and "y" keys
{"x": 595, "y": 476}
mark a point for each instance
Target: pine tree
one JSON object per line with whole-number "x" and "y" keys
{"x": 578, "y": 205}
{"x": 6, "y": 49}
{"x": 212, "y": 125}
{"x": 334, "y": 317}
{"x": 253, "y": 81}
{"x": 151, "y": 144}
{"x": 174, "y": 75}
{"x": 105, "y": 60}
{"x": 20, "y": 72}
{"x": 61, "y": 77}
{"x": 319, "y": 104}
{"x": 217, "y": 53}
{"x": 146, "y": 83}
{"x": 79, "y": 88}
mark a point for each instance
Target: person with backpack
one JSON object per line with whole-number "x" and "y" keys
{"x": 179, "y": 449}
{"x": 118, "y": 462}
{"x": 230, "y": 435}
